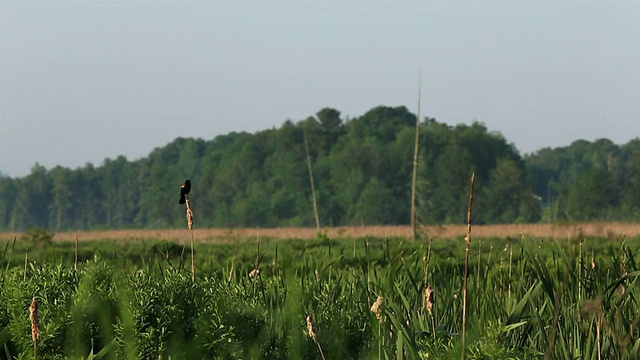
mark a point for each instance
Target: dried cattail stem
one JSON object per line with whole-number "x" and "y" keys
{"x": 486, "y": 269}
{"x": 311, "y": 329}
{"x": 190, "y": 224}
{"x": 312, "y": 333}
{"x": 466, "y": 265}
{"x": 366, "y": 243}
{"x": 414, "y": 179}
{"x": 504, "y": 251}
{"x": 470, "y": 211}
{"x": 599, "y": 335}
{"x": 378, "y": 309}
{"x": 479, "y": 262}
{"x": 426, "y": 260}
{"x": 313, "y": 187}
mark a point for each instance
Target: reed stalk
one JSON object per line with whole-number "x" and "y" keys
{"x": 429, "y": 302}
{"x": 556, "y": 318}
{"x": 75, "y": 262}
{"x": 425, "y": 280}
{"x": 510, "y": 268}
{"x": 599, "y": 335}
{"x": 366, "y": 242}
{"x": 414, "y": 179}
{"x": 233, "y": 265}
{"x": 256, "y": 267}
{"x": 466, "y": 266}
{"x": 313, "y": 187}
{"x": 378, "y": 309}
{"x": 274, "y": 264}
{"x": 479, "y": 262}
{"x": 318, "y": 279}
{"x": 501, "y": 269}
{"x": 26, "y": 262}
{"x": 257, "y": 262}
{"x": 312, "y": 333}
{"x": 190, "y": 224}
{"x": 580, "y": 264}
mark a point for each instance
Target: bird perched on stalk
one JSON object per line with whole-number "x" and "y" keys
{"x": 184, "y": 191}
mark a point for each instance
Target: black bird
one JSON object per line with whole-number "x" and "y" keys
{"x": 184, "y": 191}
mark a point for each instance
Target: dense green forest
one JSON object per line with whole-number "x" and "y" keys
{"x": 362, "y": 175}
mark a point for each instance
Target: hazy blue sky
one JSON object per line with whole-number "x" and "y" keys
{"x": 83, "y": 81}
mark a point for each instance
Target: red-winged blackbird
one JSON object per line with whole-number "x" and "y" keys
{"x": 186, "y": 187}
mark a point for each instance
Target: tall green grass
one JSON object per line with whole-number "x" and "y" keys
{"x": 527, "y": 299}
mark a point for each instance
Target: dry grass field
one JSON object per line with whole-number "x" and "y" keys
{"x": 612, "y": 231}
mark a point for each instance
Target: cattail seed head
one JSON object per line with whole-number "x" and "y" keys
{"x": 311, "y": 329}
{"x": 428, "y": 299}
{"x": 189, "y": 214}
{"x": 35, "y": 324}
{"x": 378, "y": 308}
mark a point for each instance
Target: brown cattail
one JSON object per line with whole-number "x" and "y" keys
{"x": 311, "y": 329}
{"x": 35, "y": 324}
{"x": 378, "y": 308}
{"x": 313, "y": 335}
{"x": 189, "y": 214}
{"x": 428, "y": 299}
{"x": 190, "y": 224}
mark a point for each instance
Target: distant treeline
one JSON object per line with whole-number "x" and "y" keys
{"x": 362, "y": 175}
